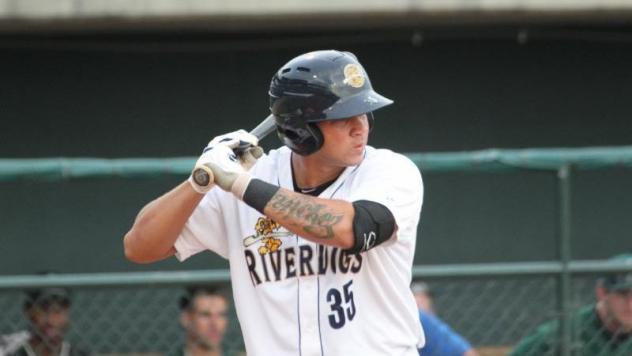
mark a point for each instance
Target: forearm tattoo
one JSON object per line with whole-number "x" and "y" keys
{"x": 314, "y": 218}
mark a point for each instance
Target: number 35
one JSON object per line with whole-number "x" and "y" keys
{"x": 341, "y": 310}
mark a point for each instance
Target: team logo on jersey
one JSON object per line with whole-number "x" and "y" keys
{"x": 369, "y": 241}
{"x": 266, "y": 231}
{"x": 354, "y": 76}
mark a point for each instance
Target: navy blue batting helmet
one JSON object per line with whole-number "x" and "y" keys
{"x": 319, "y": 86}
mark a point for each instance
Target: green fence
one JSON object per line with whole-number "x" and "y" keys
{"x": 493, "y": 305}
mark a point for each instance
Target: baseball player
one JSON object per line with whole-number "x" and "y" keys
{"x": 320, "y": 233}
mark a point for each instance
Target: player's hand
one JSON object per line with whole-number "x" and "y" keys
{"x": 250, "y": 157}
{"x": 242, "y": 143}
{"x": 239, "y": 141}
{"x": 227, "y": 169}
{"x": 217, "y": 150}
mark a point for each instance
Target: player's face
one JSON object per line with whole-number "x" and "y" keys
{"x": 50, "y": 322}
{"x": 208, "y": 320}
{"x": 619, "y": 307}
{"x": 344, "y": 140}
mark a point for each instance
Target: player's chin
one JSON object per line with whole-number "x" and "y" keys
{"x": 354, "y": 160}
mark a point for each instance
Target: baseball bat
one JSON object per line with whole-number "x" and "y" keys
{"x": 203, "y": 176}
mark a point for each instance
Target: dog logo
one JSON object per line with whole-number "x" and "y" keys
{"x": 354, "y": 76}
{"x": 266, "y": 231}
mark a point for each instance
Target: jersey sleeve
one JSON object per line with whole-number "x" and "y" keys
{"x": 394, "y": 181}
{"x": 205, "y": 229}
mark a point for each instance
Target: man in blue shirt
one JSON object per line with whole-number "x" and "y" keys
{"x": 441, "y": 340}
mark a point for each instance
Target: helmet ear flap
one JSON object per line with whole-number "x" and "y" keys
{"x": 303, "y": 138}
{"x": 317, "y": 137}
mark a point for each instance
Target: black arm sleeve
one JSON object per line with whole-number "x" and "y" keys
{"x": 373, "y": 224}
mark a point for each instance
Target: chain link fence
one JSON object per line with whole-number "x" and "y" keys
{"x": 492, "y": 312}
{"x": 121, "y": 320}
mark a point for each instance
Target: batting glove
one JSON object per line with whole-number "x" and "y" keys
{"x": 226, "y": 169}
{"x": 220, "y": 149}
{"x": 238, "y": 140}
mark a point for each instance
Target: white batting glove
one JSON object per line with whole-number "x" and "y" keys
{"x": 226, "y": 169}
{"x": 234, "y": 140}
{"x": 250, "y": 157}
{"x": 202, "y": 179}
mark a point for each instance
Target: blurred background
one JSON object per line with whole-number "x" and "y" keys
{"x": 159, "y": 79}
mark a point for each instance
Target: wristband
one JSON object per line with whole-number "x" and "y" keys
{"x": 258, "y": 193}
{"x": 240, "y": 184}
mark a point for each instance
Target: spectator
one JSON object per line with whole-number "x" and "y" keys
{"x": 441, "y": 340}
{"x": 48, "y": 313}
{"x": 204, "y": 317}
{"x": 423, "y": 296}
{"x": 601, "y": 328}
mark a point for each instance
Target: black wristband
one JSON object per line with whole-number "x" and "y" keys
{"x": 258, "y": 194}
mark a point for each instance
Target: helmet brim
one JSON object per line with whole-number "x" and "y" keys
{"x": 354, "y": 105}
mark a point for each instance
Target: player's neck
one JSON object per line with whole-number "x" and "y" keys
{"x": 197, "y": 350}
{"x": 310, "y": 171}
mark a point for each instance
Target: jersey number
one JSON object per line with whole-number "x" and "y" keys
{"x": 341, "y": 311}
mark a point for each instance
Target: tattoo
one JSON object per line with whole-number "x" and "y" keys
{"x": 319, "y": 222}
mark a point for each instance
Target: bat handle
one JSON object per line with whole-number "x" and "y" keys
{"x": 203, "y": 176}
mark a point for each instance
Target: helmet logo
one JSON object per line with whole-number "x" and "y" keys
{"x": 354, "y": 76}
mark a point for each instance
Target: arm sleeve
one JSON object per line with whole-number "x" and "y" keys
{"x": 205, "y": 229}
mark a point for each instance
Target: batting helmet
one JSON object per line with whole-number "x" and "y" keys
{"x": 319, "y": 86}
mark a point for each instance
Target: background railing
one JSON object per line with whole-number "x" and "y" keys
{"x": 491, "y": 160}
{"x": 137, "y": 312}
{"x": 492, "y": 305}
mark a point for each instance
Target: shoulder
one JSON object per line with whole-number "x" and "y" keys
{"x": 429, "y": 318}
{"x": 11, "y": 344}
{"x": 440, "y": 337}
{"x": 541, "y": 339}
{"x": 388, "y": 166}
{"x": 397, "y": 163}
{"x": 277, "y": 153}
{"x": 434, "y": 325}
{"x": 272, "y": 160}
{"x": 384, "y": 154}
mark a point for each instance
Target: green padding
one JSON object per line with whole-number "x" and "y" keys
{"x": 544, "y": 158}
{"x": 491, "y": 160}
{"x": 65, "y": 168}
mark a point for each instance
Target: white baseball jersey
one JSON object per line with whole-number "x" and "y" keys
{"x": 296, "y": 297}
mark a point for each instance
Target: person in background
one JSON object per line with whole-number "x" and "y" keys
{"x": 600, "y": 328}
{"x": 423, "y": 296}
{"x": 48, "y": 313}
{"x": 441, "y": 340}
{"x": 204, "y": 317}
